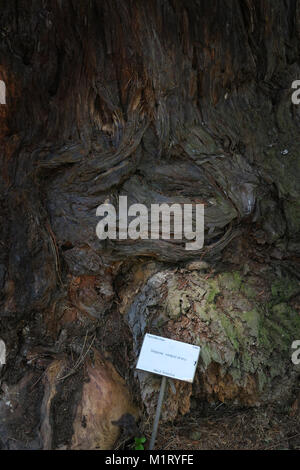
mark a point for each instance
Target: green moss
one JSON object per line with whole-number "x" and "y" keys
{"x": 248, "y": 291}
{"x": 236, "y": 373}
{"x": 278, "y": 327}
{"x": 278, "y": 334}
{"x": 262, "y": 380}
{"x": 230, "y": 331}
{"x": 285, "y": 288}
{"x": 237, "y": 279}
{"x": 286, "y": 316}
{"x": 201, "y": 312}
{"x": 247, "y": 361}
{"x": 210, "y": 354}
{"x": 252, "y": 318}
{"x": 205, "y": 355}
{"x": 242, "y": 332}
{"x": 264, "y": 338}
{"x": 177, "y": 303}
{"x": 213, "y": 292}
{"x": 231, "y": 281}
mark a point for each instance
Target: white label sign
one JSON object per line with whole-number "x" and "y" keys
{"x": 168, "y": 357}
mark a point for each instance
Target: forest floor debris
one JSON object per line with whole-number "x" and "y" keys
{"x": 225, "y": 428}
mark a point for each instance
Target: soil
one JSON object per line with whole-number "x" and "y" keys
{"x": 225, "y": 427}
{"x": 249, "y": 429}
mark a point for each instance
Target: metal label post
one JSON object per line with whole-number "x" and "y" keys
{"x": 158, "y": 411}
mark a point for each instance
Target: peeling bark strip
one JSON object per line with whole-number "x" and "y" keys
{"x": 185, "y": 102}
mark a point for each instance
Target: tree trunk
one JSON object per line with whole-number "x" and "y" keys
{"x": 176, "y": 101}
